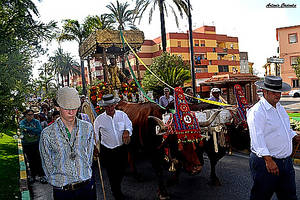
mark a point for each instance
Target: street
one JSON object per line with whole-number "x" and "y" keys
{"x": 233, "y": 172}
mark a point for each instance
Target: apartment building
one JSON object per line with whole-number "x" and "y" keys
{"x": 289, "y": 50}
{"x": 214, "y": 53}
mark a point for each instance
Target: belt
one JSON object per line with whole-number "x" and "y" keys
{"x": 73, "y": 186}
{"x": 281, "y": 158}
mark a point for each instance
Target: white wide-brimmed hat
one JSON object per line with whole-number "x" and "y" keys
{"x": 274, "y": 84}
{"x": 68, "y": 98}
{"x": 108, "y": 99}
{"x": 215, "y": 90}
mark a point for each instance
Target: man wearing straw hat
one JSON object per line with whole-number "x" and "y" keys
{"x": 66, "y": 148}
{"x": 272, "y": 140}
{"x": 114, "y": 129}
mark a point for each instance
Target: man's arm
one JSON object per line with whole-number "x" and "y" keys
{"x": 256, "y": 122}
{"x": 91, "y": 143}
{"x": 47, "y": 162}
{"x": 128, "y": 129}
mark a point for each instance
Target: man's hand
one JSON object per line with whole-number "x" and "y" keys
{"x": 297, "y": 137}
{"x": 126, "y": 137}
{"x": 96, "y": 151}
{"x": 271, "y": 165}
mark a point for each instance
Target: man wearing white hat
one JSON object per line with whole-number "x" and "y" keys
{"x": 114, "y": 129}
{"x": 272, "y": 140}
{"x": 66, "y": 148}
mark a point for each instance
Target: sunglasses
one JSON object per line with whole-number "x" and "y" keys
{"x": 30, "y": 114}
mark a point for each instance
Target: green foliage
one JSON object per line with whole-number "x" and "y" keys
{"x": 9, "y": 167}
{"x": 297, "y": 68}
{"x": 20, "y": 41}
{"x": 63, "y": 64}
{"x": 170, "y": 68}
{"x": 142, "y": 5}
{"x": 121, "y": 15}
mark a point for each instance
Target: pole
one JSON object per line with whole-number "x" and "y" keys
{"x": 101, "y": 178}
{"x": 191, "y": 49}
{"x": 83, "y": 76}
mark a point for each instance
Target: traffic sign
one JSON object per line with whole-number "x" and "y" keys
{"x": 275, "y": 60}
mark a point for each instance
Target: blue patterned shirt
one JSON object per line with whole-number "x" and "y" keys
{"x": 60, "y": 169}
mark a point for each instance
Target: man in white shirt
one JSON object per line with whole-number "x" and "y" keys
{"x": 113, "y": 128}
{"x": 271, "y": 144}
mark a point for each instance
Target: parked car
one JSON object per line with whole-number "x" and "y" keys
{"x": 294, "y": 93}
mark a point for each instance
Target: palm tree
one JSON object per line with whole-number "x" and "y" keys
{"x": 142, "y": 5}
{"x": 64, "y": 65}
{"x": 56, "y": 62}
{"x": 73, "y": 30}
{"x": 46, "y": 76}
{"x": 70, "y": 67}
{"x": 121, "y": 15}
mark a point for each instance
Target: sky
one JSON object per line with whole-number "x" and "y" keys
{"x": 250, "y": 20}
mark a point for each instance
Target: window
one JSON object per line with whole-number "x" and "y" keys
{"x": 214, "y": 49}
{"x": 294, "y": 60}
{"x": 178, "y": 43}
{"x": 231, "y": 46}
{"x": 202, "y": 43}
{"x": 295, "y": 83}
{"x": 210, "y": 62}
{"x": 196, "y": 43}
{"x": 219, "y": 57}
{"x": 223, "y": 68}
{"x": 293, "y": 38}
{"x": 201, "y": 68}
{"x": 200, "y": 57}
{"x": 233, "y": 57}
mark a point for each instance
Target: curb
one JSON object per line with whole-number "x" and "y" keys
{"x": 23, "y": 175}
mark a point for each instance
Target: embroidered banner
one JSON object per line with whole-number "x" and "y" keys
{"x": 184, "y": 121}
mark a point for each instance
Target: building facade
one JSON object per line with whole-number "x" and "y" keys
{"x": 214, "y": 53}
{"x": 289, "y": 50}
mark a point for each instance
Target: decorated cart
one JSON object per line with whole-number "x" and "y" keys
{"x": 104, "y": 45}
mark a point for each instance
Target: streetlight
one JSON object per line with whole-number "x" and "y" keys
{"x": 191, "y": 48}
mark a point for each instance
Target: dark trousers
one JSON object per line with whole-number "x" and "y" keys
{"x": 265, "y": 183}
{"x": 115, "y": 162}
{"x": 86, "y": 192}
{"x": 33, "y": 158}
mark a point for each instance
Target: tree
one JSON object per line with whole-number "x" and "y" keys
{"x": 46, "y": 77}
{"x": 142, "y": 5}
{"x": 296, "y": 68}
{"x": 121, "y": 15}
{"x": 63, "y": 64}
{"x": 21, "y": 36}
{"x": 73, "y": 30}
{"x": 170, "y": 68}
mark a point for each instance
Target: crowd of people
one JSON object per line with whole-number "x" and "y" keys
{"x": 59, "y": 142}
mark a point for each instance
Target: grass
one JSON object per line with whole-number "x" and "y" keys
{"x": 9, "y": 167}
{"x": 294, "y": 114}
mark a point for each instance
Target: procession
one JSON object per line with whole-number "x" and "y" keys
{"x": 142, "y": 114}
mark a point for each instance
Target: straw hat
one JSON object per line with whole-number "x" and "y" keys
{"x": 68, "y": 98}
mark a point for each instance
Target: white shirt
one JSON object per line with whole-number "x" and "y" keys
{"x": 270, "y": 130}
{"x": 112, "y": 128}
